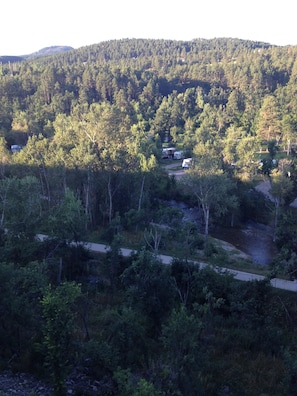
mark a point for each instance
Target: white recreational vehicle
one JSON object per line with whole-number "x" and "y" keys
{"x": 168, "y": 152}
{"x": 187, "y": 163}
{"x": 178, "y": 155}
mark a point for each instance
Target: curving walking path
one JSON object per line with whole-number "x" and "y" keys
{"x": 239, "y": 275}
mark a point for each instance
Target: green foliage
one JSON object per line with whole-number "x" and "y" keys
{"x": 100, "y": 358}
{"x": 92, "y": 123}
{"x": 147, "y": 288}
{"x": 125, "y": 333}
{"x": 184, "y": 280}
{"x": 20, "y": 293}
{"x": 182, "y": 344}
{"x": 114, "y": 263}
{"x": 133, "y": 218}
{"x": 290, "y": 358}
{"x": 253, "y": 205}
{"x": 286, "y": 260}
{"x": 176, "y": 330}
{"x": 185, "y": 240}
{"x": 4, "y": 157}
{"x": 210, "y": 185}
{"x": 210, "y": 249}
{"x": 58, "y": 316}
{"x": 272, "y": 148}
{"x": 20, "y": 205}
{"x": 129, "y": 385}
{"x": 67, "y": 220}
{"x": 98, "y": 131}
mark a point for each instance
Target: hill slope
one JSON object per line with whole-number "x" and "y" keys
{"x": 56, "y": 49}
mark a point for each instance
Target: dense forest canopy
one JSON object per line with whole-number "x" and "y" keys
{"x": 110, "y": 107}
{"x": 81, "y": 140}
{"x": 232, "y": 76}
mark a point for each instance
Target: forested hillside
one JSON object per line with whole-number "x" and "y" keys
{"x": 111, "y": 106}
{"x": 81, "y": 139}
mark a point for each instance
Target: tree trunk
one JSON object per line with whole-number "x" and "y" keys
{"x": 205, "y": 209}
{"x": 232, "y": 219}
{"x": 59, "y": 277}
{"x": 110, "y": 199}
{"x": 288, "y": 147}
{"x": 277, "y": 203}
{"x": 141, "y": 194}
{"x": 87, "y": 199}
{"x": 206, "y": 223}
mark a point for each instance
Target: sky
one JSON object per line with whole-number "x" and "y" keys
{"x": 27, "y": 26}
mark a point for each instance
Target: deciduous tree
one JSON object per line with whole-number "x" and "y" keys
{"x": 281, "y": 187}
{"x": 58, "y": 327}
{"x": 210, "y": 185}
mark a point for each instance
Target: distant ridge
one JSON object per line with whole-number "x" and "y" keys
{"x": 47, "y": 51}
{"x": 7, "y": 59}
{"x": 55, "y": 49}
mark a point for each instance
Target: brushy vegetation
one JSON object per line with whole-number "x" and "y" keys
{"x": 81, "y": 139}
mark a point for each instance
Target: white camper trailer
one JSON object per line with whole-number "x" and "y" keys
{"x": 168, "y": 152}
{"x": 178, "y": 155}
{"x": 187, "y": 163}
